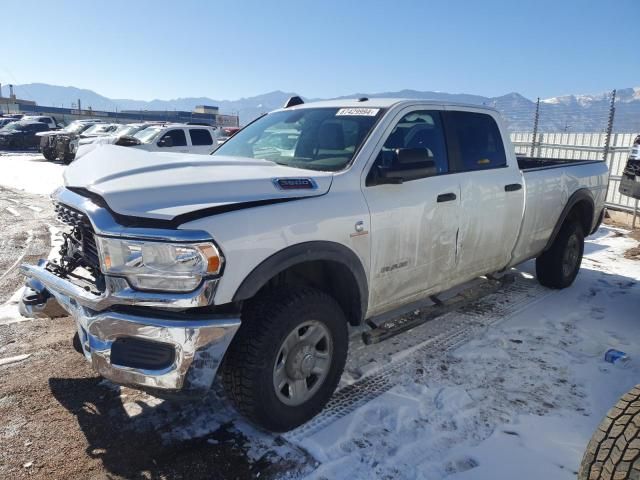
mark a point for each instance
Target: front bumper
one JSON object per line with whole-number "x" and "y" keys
{"x": 146, "y": 349}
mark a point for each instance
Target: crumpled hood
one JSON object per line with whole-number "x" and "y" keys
{"x": 164, "y": 185}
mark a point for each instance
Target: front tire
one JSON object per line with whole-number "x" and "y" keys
{"x": 68, "y": 158}
{"x": 559, "y": 266}
{"x": 287, "y": 357}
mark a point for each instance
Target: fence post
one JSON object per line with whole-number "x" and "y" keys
{"x": 535, "y": 127}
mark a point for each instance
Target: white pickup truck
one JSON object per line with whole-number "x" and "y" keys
{"x": 258, "y": 258}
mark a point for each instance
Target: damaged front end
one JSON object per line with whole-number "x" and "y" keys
{"x": 167, "y": 342}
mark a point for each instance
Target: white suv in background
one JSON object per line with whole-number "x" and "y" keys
{"x": 180, "y": 138}
{"x": 177, "y": 138}
{"x": 47, "y": 120}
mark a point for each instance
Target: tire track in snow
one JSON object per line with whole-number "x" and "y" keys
{"x": 435, "y": 337}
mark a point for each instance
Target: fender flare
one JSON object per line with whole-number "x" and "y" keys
{"x": 301, "y": 253}
{"x": 582, "y": 194}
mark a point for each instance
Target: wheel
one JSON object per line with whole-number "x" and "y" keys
{"x": 49, "y": 154}
{"x": 559, "y": 266}
{"x": 286, "y": 358}
{"x": 614, "y": 449}
{"x": 68, "y": 158}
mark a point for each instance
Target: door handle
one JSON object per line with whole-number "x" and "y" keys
{"x": 446, "y": 197}
{"x": 512, "y": 187}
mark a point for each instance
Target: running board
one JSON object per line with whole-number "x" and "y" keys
{"x": 391, "y": 328}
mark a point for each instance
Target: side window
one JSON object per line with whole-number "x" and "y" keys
{"x": 177, "y": 136}
{"x": 478, "y": 141}
{"x": 200, "y": 136}
{"x": 417, "y": 130}
{"x": 41, "y": 127}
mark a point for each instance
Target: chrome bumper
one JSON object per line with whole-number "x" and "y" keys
{"x": 198, "y": 343}
{"x": 118, "y": 292}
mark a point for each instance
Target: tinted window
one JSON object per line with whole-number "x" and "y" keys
{"x": 200, "y": 137}
{"x": 178, "y": 137}
{"x": 421, "y": 129}
{"x": 40, "y": 127}
{"x": 478, "y": 141}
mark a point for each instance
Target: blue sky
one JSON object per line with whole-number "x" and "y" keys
{"x": 226, "y": 50}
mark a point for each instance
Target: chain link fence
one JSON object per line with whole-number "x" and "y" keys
{"x": 581, "y": 128}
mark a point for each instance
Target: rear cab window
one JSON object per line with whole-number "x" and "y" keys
{"x": 475, "y": 141}
{"x": 200, "y": 136}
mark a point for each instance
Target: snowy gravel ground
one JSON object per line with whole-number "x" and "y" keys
{"x": 30, "y": 172}
{"x": 511, "y": 387}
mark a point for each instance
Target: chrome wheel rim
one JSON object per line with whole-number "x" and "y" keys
{"x": 570, "y": 256}
{"x": 302, "y": 363}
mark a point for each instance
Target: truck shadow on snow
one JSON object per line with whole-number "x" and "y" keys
{"x": 136, "y": 435}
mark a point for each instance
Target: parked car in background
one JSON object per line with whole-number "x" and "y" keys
{"x": 57, "y": 144}
{"x": 22, "y": 134}
{"x": 50, "y": 121}
{"x": 99, "y": 130}
{"x": 227, "y": 133}
{"x": 256, "y": 260}
{"x": 173, "y": 138}
{"x": 630, "y": 181}
{"x": 6, "y": 121}
{"x": 122, "y": 136}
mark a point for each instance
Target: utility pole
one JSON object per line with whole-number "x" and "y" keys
{"x": 607, "y": 138}
{"x": 535, "y": 128}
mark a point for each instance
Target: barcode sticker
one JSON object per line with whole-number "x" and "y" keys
{"x": 359, "y": 112}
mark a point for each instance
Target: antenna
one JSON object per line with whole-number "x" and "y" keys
{"x": 293, "y": 101}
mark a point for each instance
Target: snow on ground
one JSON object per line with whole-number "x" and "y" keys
{"x": 519, "y": 401}
{"x": 30, "y": 172}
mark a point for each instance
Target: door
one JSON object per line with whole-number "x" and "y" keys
{"x": 492, "y": 193}
{"x": 201, "y": 140}
{"x": 413, "y": 224}
{"x": 174, "y": 140}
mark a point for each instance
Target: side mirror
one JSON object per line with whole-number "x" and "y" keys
{"x": 409, "y": 164}
{"x": 165, "y": 141}
{"x": 127, "y": 141}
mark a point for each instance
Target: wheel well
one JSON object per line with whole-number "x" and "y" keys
{"x": 331, "y": 277}
{"x": 582, "y": 212}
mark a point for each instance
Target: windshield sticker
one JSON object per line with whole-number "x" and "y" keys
{"x": 359, "y": 112}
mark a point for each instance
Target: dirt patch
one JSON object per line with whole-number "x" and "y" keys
{"x": 58, "y": 420}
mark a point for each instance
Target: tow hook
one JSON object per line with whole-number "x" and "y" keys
{"x": 37, "y": 302}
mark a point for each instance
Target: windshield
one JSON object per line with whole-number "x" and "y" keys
{"x": 124, "y": 130}
{"x": 98, "y": 128}
{"x": 14, "y": 126}
{"x": 74, "y": 127}
{"x": 147, "y": 135}
{"x": 310, "y": 138}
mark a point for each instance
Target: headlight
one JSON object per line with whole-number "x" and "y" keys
{"x": 159, "y": 266}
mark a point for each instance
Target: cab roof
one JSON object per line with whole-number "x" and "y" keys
{"x": 383, "y": 103}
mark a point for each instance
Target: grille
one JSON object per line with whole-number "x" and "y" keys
{"x": 82, "y": 227}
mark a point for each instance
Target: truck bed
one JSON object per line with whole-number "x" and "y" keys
{"x": 540, "y": 163}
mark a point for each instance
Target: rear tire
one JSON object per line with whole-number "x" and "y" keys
{"x": 614, "y": 449}
{"x": 287, "y": 357}
{"x": 559, "y": 266}
{"x": 49, "y": 154}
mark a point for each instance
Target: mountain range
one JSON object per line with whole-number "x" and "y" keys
{"x": 573, "y": 113}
